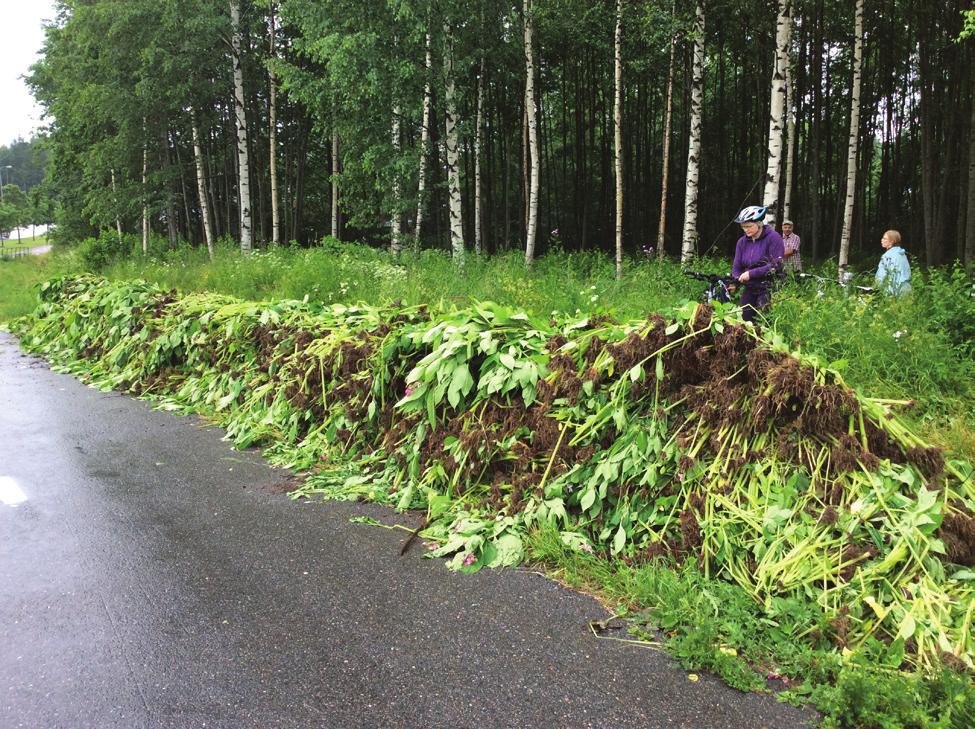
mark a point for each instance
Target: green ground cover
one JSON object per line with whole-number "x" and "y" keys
{"x": 598, "y": 449}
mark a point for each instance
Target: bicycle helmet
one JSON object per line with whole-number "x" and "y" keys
{"x": 751, "y": 214}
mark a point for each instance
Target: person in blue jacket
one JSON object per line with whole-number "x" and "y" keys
{"x": 758, "y": 261}
{"x": 894, "y": 271}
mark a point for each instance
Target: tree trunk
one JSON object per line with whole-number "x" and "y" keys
{"x": 335, "y": 184}
{"x": 618, "y": 135}
{"x": 478, "y": 142}
{"x": 665, "y": 164}
{"x": 201, "y": 188}
{"x": 532, "y": 134}
{"x": 421, "y": 190}
{"x": 851, "y": 157}
{"x": 118, "y": 220}
{"x": 689, "y": 243}
{"x": 273, "y": 138}
{"x": 790, "y": 126}
{"x": 969, "y": 247}
{"x": 452, "y": 141}
{"x": 240, "y": 119}
{"x": 145, "y": 192}
{"x": 783, "y": 28}
{"x": 395, "y": 236}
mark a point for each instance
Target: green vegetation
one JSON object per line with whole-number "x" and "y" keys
{"x": 819, "y": 519}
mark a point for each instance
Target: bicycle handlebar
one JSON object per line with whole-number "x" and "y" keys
{"x": 709, "y": 277}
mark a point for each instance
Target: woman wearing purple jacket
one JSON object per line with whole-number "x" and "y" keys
{"x": 758, "y": 261}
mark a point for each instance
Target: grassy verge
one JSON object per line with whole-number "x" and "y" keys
{"x": 715, "y": 626}
{"x": 20, "y": 278}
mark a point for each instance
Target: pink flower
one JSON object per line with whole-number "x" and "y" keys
{"x": 410, "y": 389}
{"x": 469, "y": 560}
{"x": 586, "y": 548}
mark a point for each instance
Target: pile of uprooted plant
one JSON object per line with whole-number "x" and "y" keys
{"x": 695, "y": 437}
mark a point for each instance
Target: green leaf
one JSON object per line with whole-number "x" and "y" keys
{"x": 588, "y": 499}
{"x": 619, "y": 540}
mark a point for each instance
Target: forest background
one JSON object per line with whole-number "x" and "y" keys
{"x": 490, "y": 126}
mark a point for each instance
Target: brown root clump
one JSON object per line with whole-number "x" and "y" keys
{"x": 957, "y": 531}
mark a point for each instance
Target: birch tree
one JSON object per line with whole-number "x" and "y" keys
{"x": 201, "y": 188}
{"x": 335, "y": 182}
{"x": 851, "y": 157}
{"x": 478, "y": 141}
{"x": 395, "y": 237}
{"x": 240, "y": 121}
{"x": 421, "y": 188}
{"x": 118, "y": 219}
{"x": 689, "y": 243}
{"x": 532, "y": 114}
{"x": 783, "y": 28}
{"x": 455, "y": 210}
{"x": 790, "y": 134}
{"x": 618, "y": 134}
{"x": 665, "y": 164}
{"x": 273, "y": 136}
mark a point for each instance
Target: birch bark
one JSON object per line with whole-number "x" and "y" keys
{"x": 273, "y": 139}
{"x": 478, "y": 141}
{"x": 395, "y": 238}
{"x": 689, "y": 243}
{"x": 851, "y": 157}
{"x": 453, "y": 157}
{"x": 201, "y": 188}
{"x": 240, "y": 121}
{"x": 335, "y": 184}
{"x": 424, "y": 144}
{"x": 532, "y": 133}
{"x": 783, "y": 28}
{"x": 790, "y": 131}
{"x": 618, "y": 135}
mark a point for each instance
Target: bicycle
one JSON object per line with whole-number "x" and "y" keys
{"x": 846, "y": 283}
{"x": 719, "y": 288}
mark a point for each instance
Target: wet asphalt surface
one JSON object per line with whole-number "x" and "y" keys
{"x": 151, "y": 577}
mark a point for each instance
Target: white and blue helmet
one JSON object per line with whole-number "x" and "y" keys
{"x": 751, "y": 214}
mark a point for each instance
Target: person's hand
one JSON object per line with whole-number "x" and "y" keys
{"x": 744, "y": 277}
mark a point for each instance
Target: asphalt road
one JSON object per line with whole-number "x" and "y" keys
{"x": 150, "y": 576}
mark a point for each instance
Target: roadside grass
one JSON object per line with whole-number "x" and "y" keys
{"x": 20, "y": 278}
{"x": 716, "y": 626}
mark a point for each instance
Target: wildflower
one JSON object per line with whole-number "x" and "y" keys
{"x": 410, "y": 389}
{"x": 586, "y": 547}
{"x": 897, "y": 334}
{"x": 593, "y": 299}
{"x": 469, "y": 559}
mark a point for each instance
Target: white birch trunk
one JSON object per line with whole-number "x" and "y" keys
{"x": 240, "y": 120}
{"x": 532, "y": 113}
{"x": 118, "y": 220}
{"x": 335, "y": 184}
{"x": 478, "y": 140}
{"x": 851, "y": 157}
{"x": 421, "y": 190}
{"x": 145, "y": 193}
{"x": 689, "y": 242}
{"x": 618, "y": 135}
{"x": 396, "y": 226}
{"x": 783, "y": 29}
{"x": 201, "y": 188}
{"x": 665, "y": 165}
{"x": 273, "y": 139}
{"x": 790, "y": 128}
{"x": 453, "y": 157}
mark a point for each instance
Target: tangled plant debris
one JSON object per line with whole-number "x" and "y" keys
{"x": 695, "y": 437}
